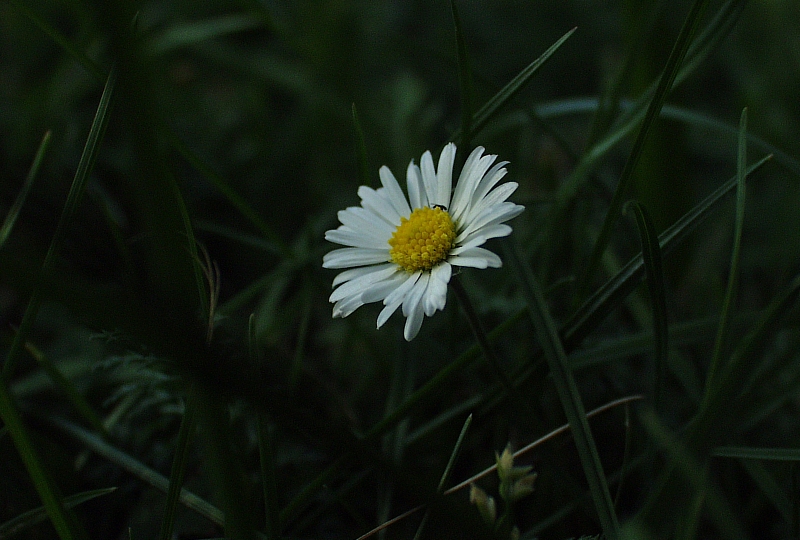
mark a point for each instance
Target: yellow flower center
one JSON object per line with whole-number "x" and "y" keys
{"x": 423, "y": 240}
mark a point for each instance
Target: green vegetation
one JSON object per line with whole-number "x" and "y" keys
{"x": 169, "y": 364}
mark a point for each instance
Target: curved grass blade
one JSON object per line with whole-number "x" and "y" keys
{"x": 721, "y": 341}
{"x": 85, "y": 166}
{"x": 13, "y": 213}
{"x": 623, "y": 187}
{"x": 464, "y": 80}
{"x": 178, "y": 471}
{"x": 361, "y": 150}
{"x": 651, "y": 254}
{"x": 137, "y": 468}
{"x": 550, "y": 341}
{"x": 490, "y": 108}
{"x": 33, "y": 517}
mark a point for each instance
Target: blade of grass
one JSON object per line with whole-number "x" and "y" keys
{"x": 75, "y": 397}
{"x": 695, "y": 474}
{"x": 361, "y": 150}
{"x": 63, "y": 520}
{"x": 507, "y": 93}
{"x": 447, "y": 471}
{"x": 137, "y": 468}
{"x": 60, "y": 40}
{"x": 182, "y": 35}
{"x": 464, "y": 80}
{"x": 85, "y": 166}
{"x": 651, "y": 254}
{"x": 33, "y": 517}
{"x": 615, "y": 290}
{"x": 623, "y": 187}
{"x": 722, "y": 339}
{"x": 178, "y": 471}
{"x": 550, "y": 341}
{"x": 13, "y": 213}
{"x": 749, "y": 452}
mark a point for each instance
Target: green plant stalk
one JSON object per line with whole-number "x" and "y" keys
{"x": 568, "y": 393}
{"x": 269, "y": 483}
{"x": 664, "y": 86}
{"x": 33, "y": 517}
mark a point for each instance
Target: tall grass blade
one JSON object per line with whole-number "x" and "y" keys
{"x": 63, "y": 520}
{"x": 361, "y": 150}
{"x": 178, "y": 471}
{"x": 85, "y": 166}
{"x": 464, "y": 79}
{"x": 614, "y": 291}
{"x": 623, "y": 187}
{"x": 13, "y": 213}
{"x": 568, "y": 393}
{"x": 695, "y": 475}
{"x": 33, "y": 517}
{"x": 722, "y": 339}
{"x": 507, "y": 93}
{"x": 447, "y": 470}
{"x": 182, "y": 35}
{"x": 749, "y": 452}
{"x": 137, "y": 468}
{"x": 651, "y": 254}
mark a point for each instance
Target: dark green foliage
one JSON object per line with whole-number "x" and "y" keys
{"x": 170, "y": 367}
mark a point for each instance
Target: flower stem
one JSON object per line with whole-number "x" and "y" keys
{"x": 483, "y": 340}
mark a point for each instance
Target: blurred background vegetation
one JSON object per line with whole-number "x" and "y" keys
{"x": 232, "y": 123}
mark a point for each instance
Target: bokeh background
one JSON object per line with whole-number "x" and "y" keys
{"x": 246, "y": 110}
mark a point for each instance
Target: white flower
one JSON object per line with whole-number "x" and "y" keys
{"x": 403, "y": 254}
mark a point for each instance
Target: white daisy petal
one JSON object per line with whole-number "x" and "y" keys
{"x": 348, "y": 237}
{"x": 402, "y": 274}
{"x": 361, "y": 219}
{"x": 395, "y": 194}
{"x": 416, "y": 190}
{"x": 476, "y": 257}
{"x": 436, "y": 296}
{"x": 429, "y": 177}
{"x": 444, "y": 175}
{"x": 350, "y": 257}
{"x": 380, "y": 206}
{"x": 358, "y": 285}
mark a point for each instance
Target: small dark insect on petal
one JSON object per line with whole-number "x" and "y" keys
{"x": 440, "y": 206}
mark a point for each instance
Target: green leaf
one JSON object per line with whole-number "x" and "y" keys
{"x": 33, "y": 517}
{"x": 550, "y": 341}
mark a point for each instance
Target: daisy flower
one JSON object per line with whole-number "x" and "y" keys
{"x": 401, "y": 251}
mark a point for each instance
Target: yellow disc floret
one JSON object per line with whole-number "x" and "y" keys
{"x": 422, "y": 240}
